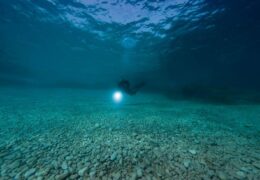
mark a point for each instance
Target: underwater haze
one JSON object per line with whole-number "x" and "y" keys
{"x": 129, "y": 89}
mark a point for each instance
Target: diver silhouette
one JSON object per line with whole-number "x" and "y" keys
{"x": 124, "y": 85}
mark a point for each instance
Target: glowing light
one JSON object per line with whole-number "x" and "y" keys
{"x": 117, "y": 96}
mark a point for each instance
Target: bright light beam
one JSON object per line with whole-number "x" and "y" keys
{"x": 117, "y": 96}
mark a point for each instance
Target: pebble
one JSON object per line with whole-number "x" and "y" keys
{"x": 43, "y": 172}
{"x": 55, "y": 164}
{"x": 256, "y": 165}
{"x": 133, "y": 176}
{"x": 117, "y": 176}
{"x": 97, "y": 125}
{"x": 192, "y": 151}
{"x": 113, "y": 156}
{"x": 186, "y": 163}
{"x": 74, "y": 176}
{"x": 82, "y": 171}
{"x": 240, "y": 174}
{"x": 244, "y": 169}
{"x": 39, "y": 178}
{"x": 18, "y": 176}
{"x": 64, "y": 166}
{"x": 135, "y": 134}
{"x": 68, "y": 158}
{"x": 14, "y": 165}
{"x": 139, "y": 172}
{"x": 222, "y": 175}
{"x": 29, "y": 172}
{"x": 92, "y": 173}
{"x": 62, "y": 176}
{"x": 2, "y": 154}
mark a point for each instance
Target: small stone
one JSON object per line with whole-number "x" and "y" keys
{"x": 39, "y": 178}
{"x": 244, "y": 169}
{"x": 135, "y": 134}
{"x": 2, "y": 154}
{"x": 55, "y": 164}
{"x": 117, "y": 176}
{"x": 97, "y": 125}
{"x": 18, "y": 176}
{"x": 196, "y": 141}
{"x": 64, "y": 166}
{"x": 68, "y": 158}
{"x": 92, "y": 173}
{"x": 222, "y": 175}
{"x": 186, "y": 163}
{"x": 29, "y": 172}
{"x": 14, "y": 165}
{"x": 82, "y": 171}
{"x": 43, "y": 172}
{"x": 63, "y": 176}
{"x": 192, "y": 151}
{"x": 211, "y": 173}
{"x": 240, "y": 174}
{"x": 133, "y": 176}
{"x": 74, "y": 176}
{"x": 139, "y": 172}
{"x": 113, "y": 156}
{"x": 256, "y": 165}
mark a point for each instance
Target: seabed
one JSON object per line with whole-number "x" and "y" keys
{"x": 83, "y": 134}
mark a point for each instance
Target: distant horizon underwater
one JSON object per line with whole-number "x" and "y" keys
{"x": 129, "y": 89}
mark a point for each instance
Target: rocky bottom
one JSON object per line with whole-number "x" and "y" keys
{"x": 46, "y": 137}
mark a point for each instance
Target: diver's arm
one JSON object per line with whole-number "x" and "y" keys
{"x": 136, "y": 88}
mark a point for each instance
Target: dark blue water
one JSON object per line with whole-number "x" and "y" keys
{"x": 95, "y": 43}
{"x": 196, "y": 114}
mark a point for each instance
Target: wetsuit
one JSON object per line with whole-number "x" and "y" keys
{"x": 124, "y": 85}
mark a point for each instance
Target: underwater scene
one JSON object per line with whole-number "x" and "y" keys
{"x": 129, "y": 89}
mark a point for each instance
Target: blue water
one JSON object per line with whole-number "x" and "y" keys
{"x": 196, "y": 117}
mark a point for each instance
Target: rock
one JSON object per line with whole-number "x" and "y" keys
{"x": 113, "y": 156}
{"x": 192, "y": 151}
{"x": 74, "y": 176}
{"x": 92, "y": 173}
{"x": 186, "y": 163}
{"x": 211, "y": 173}
{"x": 39, "y": 178}
{"x": 82, "y": 171}
{"x": 133, "y": 176}
{"x": 18, "y": 176}
{"x": 43, "y": 172}
{"x": 256, "y": 165}
{"x": 29, "y": 172}
{"x": 2, "y": 154}
{"x": 96, "y": 126}
{"x": 117, "y": 176}
{"x": 14, "y": 165}
{"x": 55, "y": 164}
{"x": 196, "y": 141}
{"x": 63, "y": 176}
{"x": 222, "y": 175}
{"x": 68, "y": 158}
{"x": 244, "y": 169}
{"x": 135, "y": 134}
{"x": 139, "y": 172}
{"x": 64, "y": 166}
{"x": 240, "y": 174}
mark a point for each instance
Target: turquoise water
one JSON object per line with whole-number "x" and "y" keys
{"x": 196, "y": 117}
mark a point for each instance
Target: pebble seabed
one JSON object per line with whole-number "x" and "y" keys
{"x": 82, "y": 136}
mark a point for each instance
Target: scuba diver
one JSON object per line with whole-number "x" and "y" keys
{"x": 124, "y": 85}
